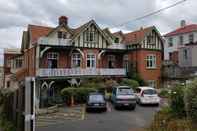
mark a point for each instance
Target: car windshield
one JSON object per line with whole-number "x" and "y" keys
{"x": 125, "y": 91}
{"x": 96, "y": 98}
{"x": 149, "y": 92}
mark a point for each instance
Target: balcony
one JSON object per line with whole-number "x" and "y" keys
{"x": 118, "y": 46}
{"x": 81, "y": 72}
{"x": 54, "y": 41}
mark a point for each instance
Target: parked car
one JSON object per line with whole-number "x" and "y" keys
{"x": 123, "y": 96}
{"x": 147, "y": 95}
{"x": 96, "y": 101}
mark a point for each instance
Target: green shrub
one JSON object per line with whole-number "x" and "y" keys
{"x": 79, "y": 94}
{"x": 192, "y": 100}
{"x": 129, "y": 82}
{"x": 177, "y": 101}
{"x": 164, "y": 93}
{"x": 137, "y": 77}
{"x": 6, "y": 123}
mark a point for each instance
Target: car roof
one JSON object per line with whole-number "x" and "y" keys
{"x": 146, "y": 87}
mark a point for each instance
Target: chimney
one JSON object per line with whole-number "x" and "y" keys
{"x": 183, "y": 23}
{"x": 63, "y": 20}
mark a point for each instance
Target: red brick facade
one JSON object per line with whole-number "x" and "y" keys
{"x": 139, "y": 59}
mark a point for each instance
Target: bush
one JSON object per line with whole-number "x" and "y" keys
{"x": 164, "y": 93}
{"x": 79, "y": 94}
{"x": 192, "y": 100}
{"x": 6, "y": 123}
{"x": 177, "y": 101}
{"x": 129, "y": 82}
{"x": 165, "y": 121}
{"x": 137, "y": 77}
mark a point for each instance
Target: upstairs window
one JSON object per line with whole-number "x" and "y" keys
{"x": 91, "y": 60}
{"x": 185, "y": 53}
{"x": 90, "y": 36}
{"x": 170, "y": 42}
{"x": 111, "y": 61}
{"x": 52, "y": 58}
{"x": 117, "y": 40}
{"x": 151, "y": 61}
{"x": 19, "y": 62}
{"x": 181, "y": 40}
{"x": 76, "y": 60}
{"x": 62, "y": 35}
{"x": 191, "y": 38}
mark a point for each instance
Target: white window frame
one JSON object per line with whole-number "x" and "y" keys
{"x": 191, "y": 38}
{"x": 53, "y": 56}
{"x": 151, "y": 61}
{"x": 92, "y": 60}
{"x": 170, "y": 42}
{"x": 185, "y": 54}
{"x": 181, "y": 39}
{"x": 74, "y": 60}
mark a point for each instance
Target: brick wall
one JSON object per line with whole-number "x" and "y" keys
{"x": 138, "y": 59}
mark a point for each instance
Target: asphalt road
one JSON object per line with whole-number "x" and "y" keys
{"x": 112, "y": 120}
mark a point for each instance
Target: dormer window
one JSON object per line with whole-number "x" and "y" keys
{"x": 62, "y": 35}
{"x": 90, "y": 36}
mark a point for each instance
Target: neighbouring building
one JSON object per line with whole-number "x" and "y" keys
{"x": 57, "y": 55}
{"x": 1, "y": 76}
{"x": 9, "y": 54}
{"x": 179, "y": 53}
{"x": 185, "y": 34}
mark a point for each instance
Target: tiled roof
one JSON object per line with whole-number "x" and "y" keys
{"x": 38, "y": 31}
{"x": 182, "y": 30}
{"x": 136, "y": 36}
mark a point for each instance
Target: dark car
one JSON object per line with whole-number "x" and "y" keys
{"x": 96, "y": 101}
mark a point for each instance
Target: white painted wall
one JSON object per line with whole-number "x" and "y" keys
{"x": 176, "y": 43}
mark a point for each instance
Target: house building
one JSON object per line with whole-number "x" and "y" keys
{"x": 9, "y": 54}
{"x": 56, "y": 55}
{"x": 186, "y": 34}
{"x": 1, "y": 76}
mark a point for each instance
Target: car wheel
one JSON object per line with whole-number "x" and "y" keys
{"x": 132, "y": 107}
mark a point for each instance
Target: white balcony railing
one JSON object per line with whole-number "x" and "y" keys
{"x": 81, "y": 72}
{"x": 54, "y": 41}
{"x": 117, "y": 46}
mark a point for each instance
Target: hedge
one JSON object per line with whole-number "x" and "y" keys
{"x": 79, "y": 94}
{"x": 129, "y": 82}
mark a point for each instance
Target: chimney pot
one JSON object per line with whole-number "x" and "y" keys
{"x": 63, "y": 20}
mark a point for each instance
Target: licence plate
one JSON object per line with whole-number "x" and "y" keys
{"x": 96, "y": 104}
{"x": 126, "y": 104}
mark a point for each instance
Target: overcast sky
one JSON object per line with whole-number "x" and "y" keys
{"x": 15, "y": 15}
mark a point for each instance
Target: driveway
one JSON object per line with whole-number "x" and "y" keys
{"x": 112, "y": 120}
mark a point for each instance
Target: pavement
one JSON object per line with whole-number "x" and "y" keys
{"x": 112, "y": 120}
